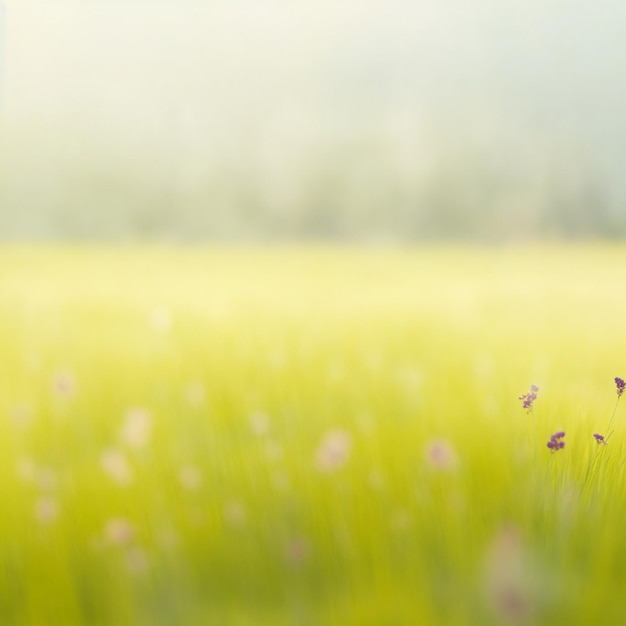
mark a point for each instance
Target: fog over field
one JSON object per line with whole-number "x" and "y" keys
{"x": 376, "y": 121}
{"x": 311, "y": 311}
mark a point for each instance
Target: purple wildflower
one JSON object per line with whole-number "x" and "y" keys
{"x": 556, "y": 442}
{"x": 600, "y": 439}
{"x": 621, "y": 385}
{"x": 528, "y": 398}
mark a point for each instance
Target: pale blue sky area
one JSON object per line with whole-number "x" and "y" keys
{"x": 490, "y": 112}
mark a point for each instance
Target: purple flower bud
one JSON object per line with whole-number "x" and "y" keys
{"x": 600, "y": 439}
{"x": 621, "y": 385}
{"x": 555, "y": 442}
{"x": 528, "y": 398}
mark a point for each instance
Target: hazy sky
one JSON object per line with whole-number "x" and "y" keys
{"x": 547, "y": 61}
{"x": 518, "y": 82}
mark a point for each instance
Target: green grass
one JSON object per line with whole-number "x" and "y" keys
{"x": 222, "y": 508}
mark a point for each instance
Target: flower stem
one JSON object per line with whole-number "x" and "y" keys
{"x": 608, "y": 430}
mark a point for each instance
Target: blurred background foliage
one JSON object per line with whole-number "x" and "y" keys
{"x": 269, "y": 120}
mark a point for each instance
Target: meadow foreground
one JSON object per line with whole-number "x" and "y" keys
{"x": 312, "y": 436}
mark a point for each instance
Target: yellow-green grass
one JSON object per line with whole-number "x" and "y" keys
{"x": 218, "y": 505}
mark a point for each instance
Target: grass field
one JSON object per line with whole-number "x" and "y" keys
{"x": 311, "y": 436}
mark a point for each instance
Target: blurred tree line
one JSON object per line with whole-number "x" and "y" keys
{"x": 361, "y": 188}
